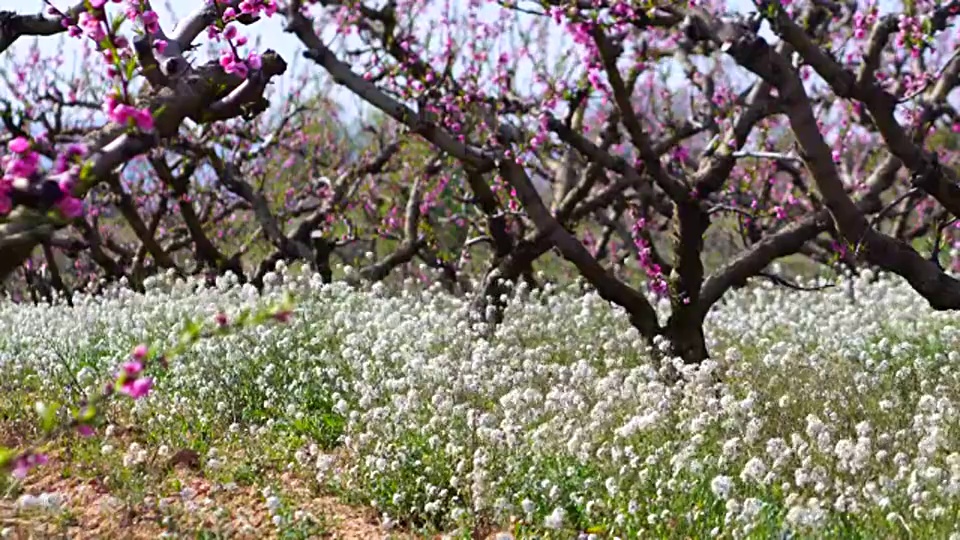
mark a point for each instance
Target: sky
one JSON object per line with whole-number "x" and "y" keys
{"x": 271, "y": 35}
{"x": 283, "y": 43}
{"x": 269, "y": 31}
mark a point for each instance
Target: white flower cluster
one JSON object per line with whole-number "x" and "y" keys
{"x": 50, "y": 502}
{"x": 817, "y": 415}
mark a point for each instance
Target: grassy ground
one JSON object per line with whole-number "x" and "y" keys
{"x": 385, "y": 413}
{"x": 85, "y": 492}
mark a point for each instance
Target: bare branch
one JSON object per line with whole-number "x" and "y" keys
{"x": 642, "y": 314}
{"x": 940, "y": 290}
{"x": 14, "y": 26}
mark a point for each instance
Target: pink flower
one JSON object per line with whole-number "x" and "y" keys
{"x": 254, "y": 60}
{"x": 221, "y": 319}
{"x": 121, "y": 113}
{"x": 23, "y": 464}
{"x": 226, "y": 60}
{"x": 230, "y": 64}
{"x": 70, "y": 155}
{"x": 91, "y": 26}
{"x": 76, "y": 150}
{"x": 110, "y": 102}
{"x": 20, "y": 145}
{"x": 144, "y": 119}
{"x": 84, "y": 430}
{"x": 66, "y": 184}
{"x": 137, "y": 388}
{"x": 131, "y": 369}
{"x": 23, "y": 166}
{"x": 151, "y": 21}
{"x": 160, "y": 45}
{"x": 140, "y": 352}
{"x": 283, "y": 315}
{"x": 70, "y": 207}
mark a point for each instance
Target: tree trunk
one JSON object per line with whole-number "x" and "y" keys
{"x": 687, "y": 340}
{"x": 501, "y": 277}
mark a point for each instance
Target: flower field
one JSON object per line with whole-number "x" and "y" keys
{"x": 831, "y": 414}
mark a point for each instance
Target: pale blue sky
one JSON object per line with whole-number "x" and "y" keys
{"x": 281, "y": 42}
{"x": 269, "y": 31}
{"x": 285, "y": 44}
{"x": 271, "y": 35}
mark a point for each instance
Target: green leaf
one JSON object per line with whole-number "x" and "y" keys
{"x": 86, "y": 173}
{"x": 191, "y": 332}
{"x": 6, "y": 456}
{"x": 86, "y": 414}
{"x": 48, "y": 415}
{"x": 261, "y": 316}
{"x": 117, "y": 21}
{"x": 130, "y": 68}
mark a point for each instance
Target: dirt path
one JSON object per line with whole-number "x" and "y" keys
{"x": 88, "y": 509}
